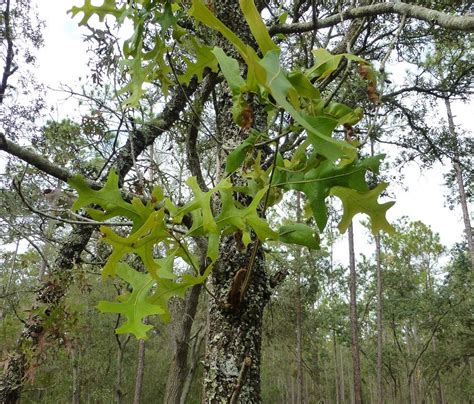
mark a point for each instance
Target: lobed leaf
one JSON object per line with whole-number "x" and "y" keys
{"x": 364, "y": 202}
{"x": 136, "y": 305}
{"x": 108, "y": 7}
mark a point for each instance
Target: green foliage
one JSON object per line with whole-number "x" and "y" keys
{"x": 135, "y": 306}
{"x": 108, "y": 7}
{"x": 317, "y": 179}
{"x": 300, "y": 234}
{"x": 323, "y": 165}
{"x": 357, "y": 202}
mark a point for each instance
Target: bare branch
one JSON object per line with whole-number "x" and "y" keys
{"x": 454, "y": 22}
{"x": 9, "y": 69}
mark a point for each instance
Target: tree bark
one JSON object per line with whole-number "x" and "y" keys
{"x": 460, "y": 182}
{"x": 380, "y": 392}
{"x": 235, "y": 334}
{"x": 299, "y": 316}
{"x": 353, "y": 318}
{"x": 235, "y": 331}
{"x": 140, "y": 371}
{"x": 181, "y": 336}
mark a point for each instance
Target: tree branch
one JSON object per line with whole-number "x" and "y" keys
{"x": 34, "y": 159}
{"x": 454, "y": 22}
{"x": 8, "y": 70}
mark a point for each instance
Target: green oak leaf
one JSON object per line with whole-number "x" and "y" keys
{"x": 317, "y": 179}
{"x": 166, "y": 289}
{"x": 141, "y": 242}
{"x": 108, "y": 7}
{"x": 108, "y": 198}
{"x": 237, "y": 156}
{"x": 364, "y": 202}
{"x": 326, "y": 63}
{"x": 167, "y": 18}
{"x": 202, "y": 201}
{"x": 282, "y": 89}
{"x": 230, "y": 69}
{"x": 205, "y": 57}
{"x": 136, "y": 305}
{"x": 257, "y": 26}
{"x": 246, "y": 218}
{"x": 300, "y": 234}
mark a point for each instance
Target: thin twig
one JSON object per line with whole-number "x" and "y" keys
{"x": 209, "y": 132}
{"x": 85, "y": 221}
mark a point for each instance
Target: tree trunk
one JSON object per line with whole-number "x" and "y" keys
{"x": 233, "y": 354}
{"x": 50, "y": 294}
{"x": 299, "y": 316}
{"x": 119, "y": 394}
{"x": 380, "y": 392}
{"x": 140, "y": 372}
{"x": 343, "y": 388}
{"x": 181, "y": 336}
{"x": 460, "y": 182}
{"x": 76, "y": 383}
{"x": 337, "y": 376}
{"x": 195, "y": 356}
{"x": 353, "y": 318}
{"x": 235, "y": 334}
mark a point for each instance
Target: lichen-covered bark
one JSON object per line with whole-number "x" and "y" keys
{"x": 50, "y": 297}
{"x": 235, "y": 334}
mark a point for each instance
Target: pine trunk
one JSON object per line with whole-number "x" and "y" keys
{"x": 354, "y": 323}
{"x": 460, "y": 182}
{"x": 380, "y": 392}
{"x": 140, "y": 372}
{"x": 299, "y": 316}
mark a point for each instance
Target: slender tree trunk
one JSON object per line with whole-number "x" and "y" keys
{"x": 119, "y": 394}
{"x": 336, "y": 370}
{"x": 194, "y": 359}
{"x": 140, "y": 371}
{"x": 299, "y": 316}
{"x": 460, "y": 182}
{"x": 9, "y": 281}
{"x": 181, "y": 336}
{"x": 76, "y": 382}
{"x": 353, "y": 318}
{"x": 343, "y": 388}
{"x": 380, "y": 392}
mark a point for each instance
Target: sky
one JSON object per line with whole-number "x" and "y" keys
{"x": 63, "y": 59}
